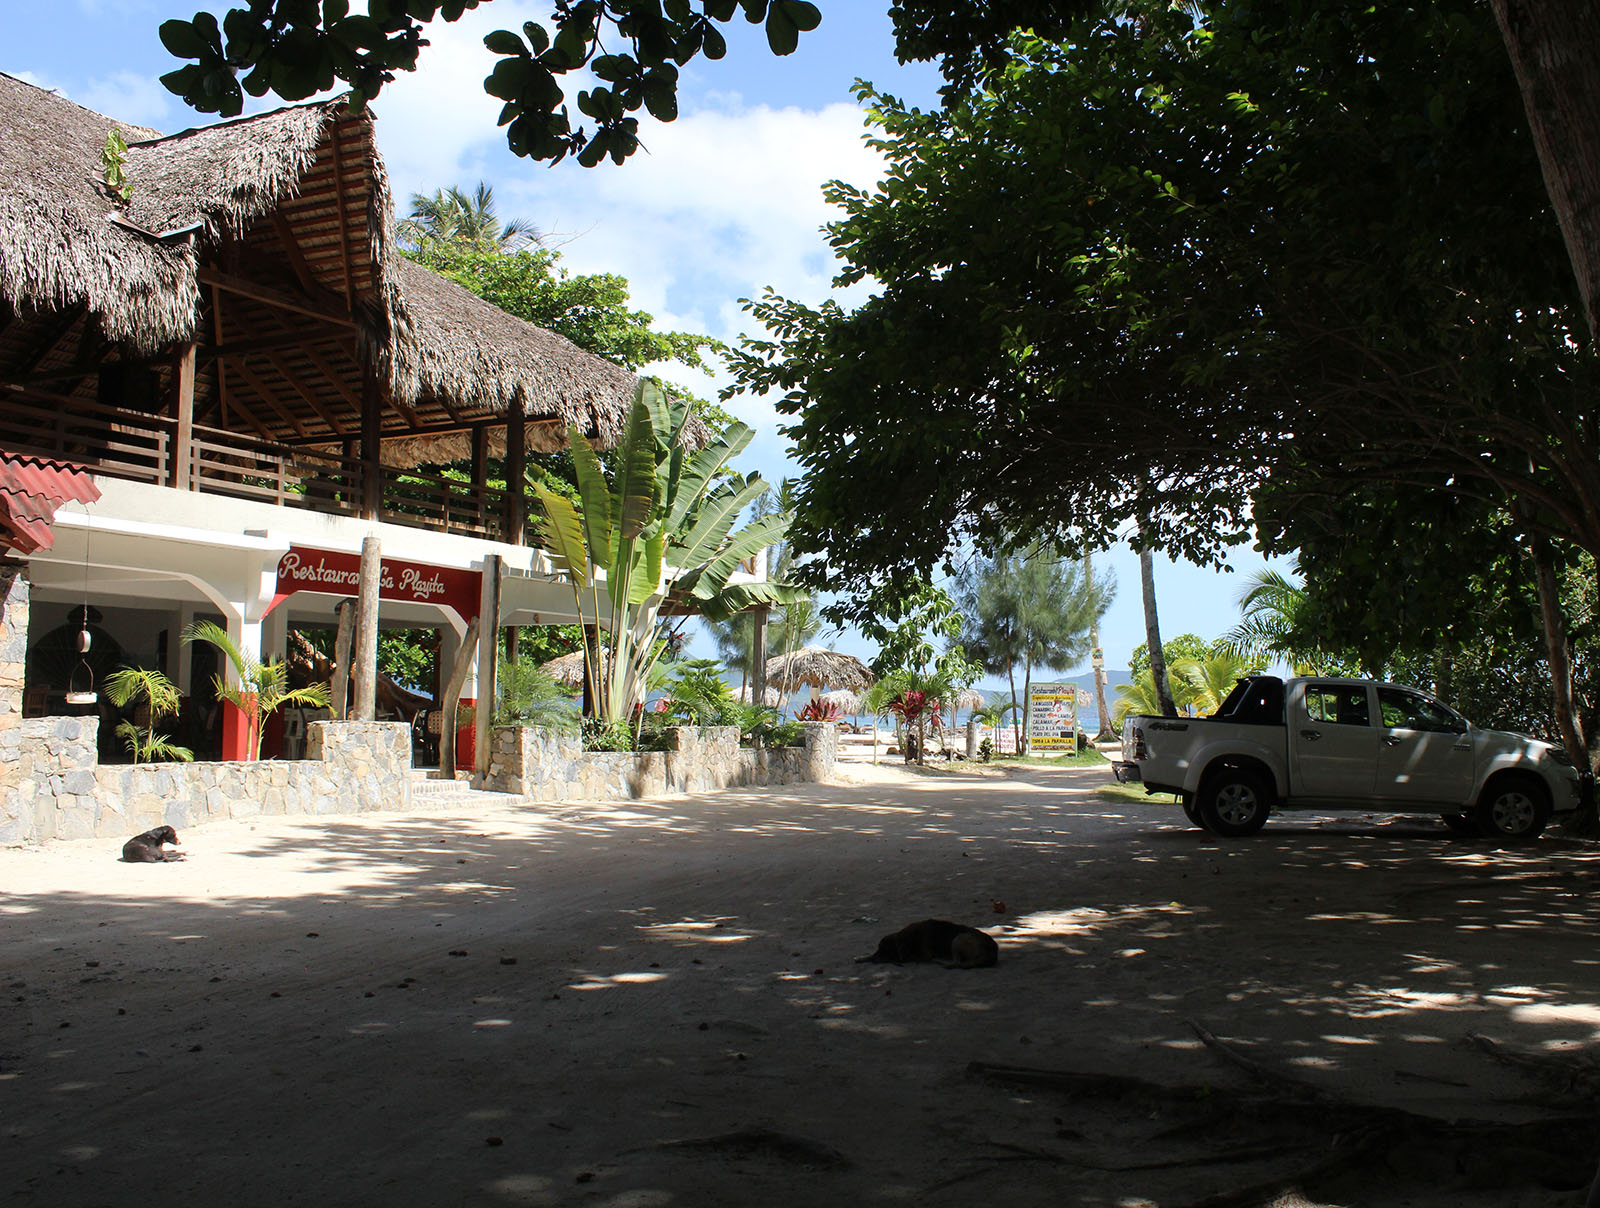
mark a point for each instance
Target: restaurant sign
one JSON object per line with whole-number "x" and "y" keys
{"x": 339, "y": 574}
{"x": 1053, "y": 724}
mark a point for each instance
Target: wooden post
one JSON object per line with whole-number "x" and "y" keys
{"x": 371, "y": 467}
{"x": 452, "y": 700}
{"x": 758, "y": 656}
{"x": 758, "y": 661}
{"x": 516, "y": 476}
{"x": 341, "y": 659}
{"x": 366, "y": 659}
{"x": 183, "y": 409}
{"x": 488, "y": 657}
{"x": 591, "y": 661}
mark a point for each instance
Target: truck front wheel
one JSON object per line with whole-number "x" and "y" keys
{"x": 1513, "y": 807}
{"x": 1234, "y": 802}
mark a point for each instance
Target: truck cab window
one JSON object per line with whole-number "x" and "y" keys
{"x": 1404, "y": 710}
{"x": 1337, "y": 704}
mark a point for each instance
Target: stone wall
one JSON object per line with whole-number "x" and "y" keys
{"x": 52, "y": 786}
{"x": 536, "y": 763}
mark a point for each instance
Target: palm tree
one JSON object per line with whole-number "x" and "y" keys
{"x": 263, "y": 687}
{"x": 1160, "y": 681}
{"x": 1274, "y": 610}
{"x": 1138, "y": 696}
{"x": 1211, "y": 678}
{"x": 453, "y": 216}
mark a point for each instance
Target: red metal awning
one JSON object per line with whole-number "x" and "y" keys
{"x": 31, "y": 489}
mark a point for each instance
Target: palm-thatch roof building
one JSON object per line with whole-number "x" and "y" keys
{"x": 235, "y": 352}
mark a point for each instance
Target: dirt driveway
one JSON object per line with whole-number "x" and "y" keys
{"x": 655, "y": 1004}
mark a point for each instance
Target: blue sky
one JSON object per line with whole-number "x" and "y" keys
{"x": 726, "y": 202}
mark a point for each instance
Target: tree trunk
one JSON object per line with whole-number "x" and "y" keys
{"x": 1554, "y": 47}
{"x": 1559, "y": 653}
{"x": 1098, "y": 662}
{"x": 1152, "y": 633}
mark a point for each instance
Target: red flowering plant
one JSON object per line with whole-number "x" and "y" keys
{"x": 819, "y": 710}
{"x": 913, "y": 678}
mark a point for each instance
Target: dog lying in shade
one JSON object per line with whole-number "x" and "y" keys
{"x": 147, "y": 848}
{"x": 948, "y": 944}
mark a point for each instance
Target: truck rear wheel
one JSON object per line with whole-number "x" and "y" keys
{"x": 1191, "y": 811}
{"x": 1234, "y": 802}
{"x": 1513, "y": 807}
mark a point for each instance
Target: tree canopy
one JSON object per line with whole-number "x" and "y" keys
{"x": 630, "y": 50}
{"x": 1148, "y": 273}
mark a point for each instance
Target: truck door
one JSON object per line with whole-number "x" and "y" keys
{"x": 1334, "y": 742}
{"x": 1427, "y": 753}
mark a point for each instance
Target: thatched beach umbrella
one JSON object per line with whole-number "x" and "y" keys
{"x": 818, "y": 668}
{"x": 968, "y": 698}
{"x": 568, "y": 669}
{"x": 772, "y": 698}
{"x": 847, "y": 701}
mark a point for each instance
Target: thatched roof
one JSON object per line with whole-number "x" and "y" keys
{"x": 819, "y": 668}
{"x": 450, "y": 343}
{"x": 57, "y": 248}
{"x": 302, "y": 189}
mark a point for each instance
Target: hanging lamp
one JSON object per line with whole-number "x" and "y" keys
{"x": 86, "y": 695}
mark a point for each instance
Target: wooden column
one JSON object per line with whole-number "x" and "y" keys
{"x": 758, "y": 657}
{"x": 758, "y": 662}
{"x": 488, "y": 658}
{"x": 516, "y": 477}
{"x": 366, "y": 658}
{"x": 371, "y": 467}
{"x": 480, "y": 475}
{"x": 183, "y": 410}
{"x": 591, "y": 655}
{"x": 340, "y": 686}
{"x": 452, "y": 699}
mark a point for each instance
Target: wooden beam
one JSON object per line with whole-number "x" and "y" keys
{"x": 183, "y": 413}
{"x": 268, "y": 296}
{"x": 284, "y": 339}
{"x": 366, "y": 652}
{"x": 335, "y": 379}
{"x": 516, "y": 477}
{"x": 345, "y": 610}
{"x": 293, "y": 253}
{"x": 55, "y": 335}
{"x": 452, "y": 699}
{"x": 222, "y": 377}
{"x": 310, "y": 399}
{"x": 344, "y": 234}
{"x": 488, "y": 655}
{"x": 261, "y": 388}
{"x": 371, "y": 434}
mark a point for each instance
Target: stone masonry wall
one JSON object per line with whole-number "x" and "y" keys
{"x": 536, "y": 763}
{"x": 52, "y": 787}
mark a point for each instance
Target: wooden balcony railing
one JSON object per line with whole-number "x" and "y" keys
{"x": 143, "y": 448}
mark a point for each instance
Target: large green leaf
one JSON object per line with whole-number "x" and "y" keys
{"x": 637, "y": 488}
{"x": 714, "y": 522}
{"x": 564, "y": 536}
{"x": 594, "y": 492}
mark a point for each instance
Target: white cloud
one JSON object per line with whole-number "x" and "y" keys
{"x": 137, "y": 99}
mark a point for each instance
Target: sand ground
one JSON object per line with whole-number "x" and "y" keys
{"x": 656, "y": 1004}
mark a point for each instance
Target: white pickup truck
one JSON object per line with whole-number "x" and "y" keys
{"x": 1337, "y": 744}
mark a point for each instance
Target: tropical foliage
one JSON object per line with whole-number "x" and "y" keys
{"x": 1031, "y": 607}
{"x": 160, "y": 698}
{"x": 913, "y": 676}
{"x": 526, "y": 695}
{"x": 453, "y": 216}
{"x": 263, "y": 688}
{"x": 662, "y": 525}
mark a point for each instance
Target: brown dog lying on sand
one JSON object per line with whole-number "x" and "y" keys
{"x": 948, "y": 944}
{"x": 146, "y": 848}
